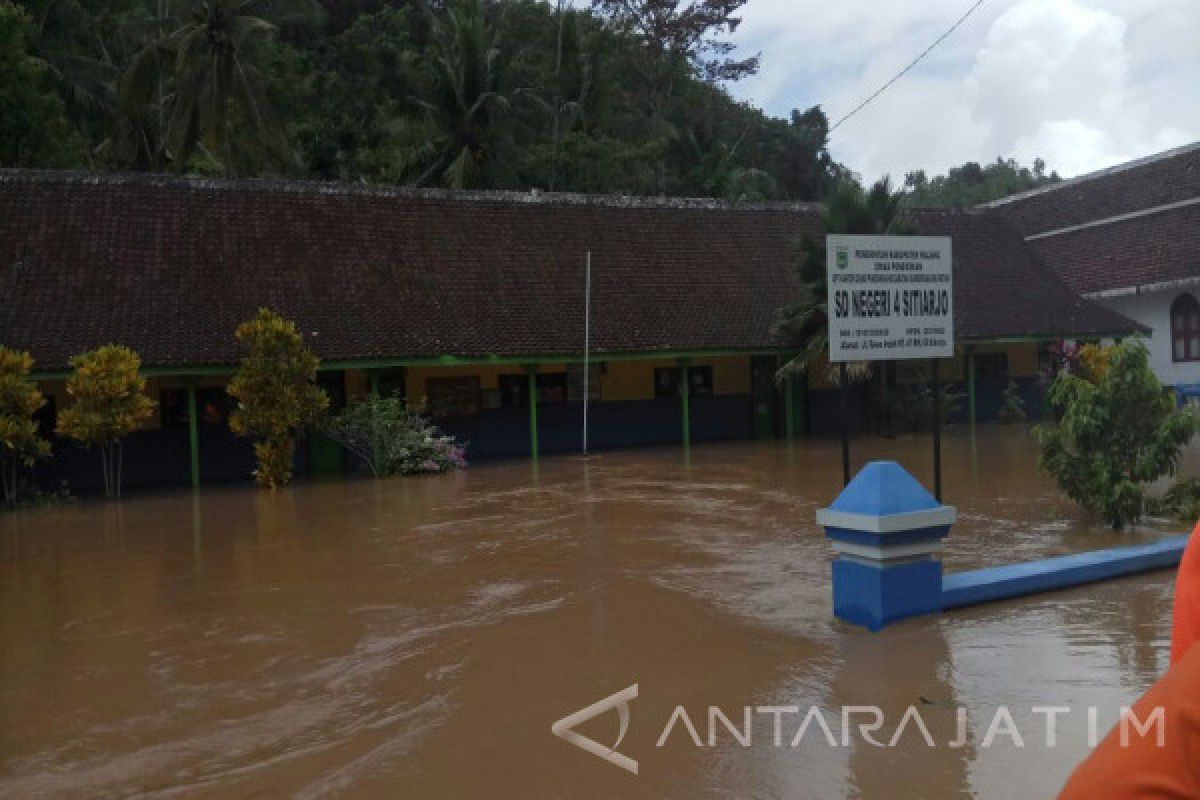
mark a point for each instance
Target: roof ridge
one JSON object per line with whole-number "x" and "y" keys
{"x": 281, "y": 185}
{"x": 1094, "y": 175}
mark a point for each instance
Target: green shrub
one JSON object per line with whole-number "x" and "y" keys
{"x": 1012, "y": 407}
{"x": 1118, "y": 431}
{"x": 276, "y": 393}
{"x": 1182, "y": 501}
{"x": 390, "y": 440}
{"x": 908, "y": 407}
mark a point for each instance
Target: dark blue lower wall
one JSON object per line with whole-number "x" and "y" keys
{"x": 150, "y": 458}
{"x": 157, "y": 458}
{"x": 160, "y": 457}
{"x": 989, "y": 396}
{"x": 504, "y": 432}
{"x": 824, "y": 415}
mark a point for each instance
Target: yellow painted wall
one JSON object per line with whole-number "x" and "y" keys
{"x": 620, "y": 380}
{"x": 730, "y": 375}
{"x": 1023, "y": 360}
{"x": 950, "y": 370}
{"x": 489, "y": 378}
{"x": 357, "y": 383}
{"x": 156, "y": 386}
{"x": 634, "y": 380}
{"x": 630, "y": 380}
{"x": 823, "y": 375}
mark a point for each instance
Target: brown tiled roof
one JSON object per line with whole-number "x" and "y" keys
{"x": 1157, "y": 248}
{"x": 1131, "y": 225}
{"x": 171, "y": 265}
{"x": 1002, "y": 290}
{"x": 1157, "y": 180}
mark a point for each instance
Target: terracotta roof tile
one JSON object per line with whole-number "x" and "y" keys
{"x": 1111, "y": 251}
{"x": 1158, "y": 248}
{"x": 171, "y": 265}
{"x": 1003, "y": 290}
{"x": 1165, "y": 178}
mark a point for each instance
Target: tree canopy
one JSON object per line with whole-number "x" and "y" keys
{"x": 34, "y": 130}
{"x": 972, "y": 184}
{"x": 107, "y": 403}
{"x": 622, "y": 96}
{"x": 21, "y": 443}
{"x": 1117, "y": 431}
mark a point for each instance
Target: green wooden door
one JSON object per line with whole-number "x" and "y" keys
{"x": 765, "y": 397}
{"x": 326, "y": 458}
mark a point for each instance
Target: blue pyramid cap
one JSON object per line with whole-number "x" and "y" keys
{"x": 883, "y": 487}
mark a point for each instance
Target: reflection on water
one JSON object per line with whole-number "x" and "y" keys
{"x": 417, "y": 637}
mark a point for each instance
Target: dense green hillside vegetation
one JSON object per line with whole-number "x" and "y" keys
{"x": 618, "y": 96}
{"x": 615, "y": 96}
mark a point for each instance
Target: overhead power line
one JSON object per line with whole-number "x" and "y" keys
{"x": 911, "y": 64}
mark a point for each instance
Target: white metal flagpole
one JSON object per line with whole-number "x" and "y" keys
{"x": 587, "y": 343}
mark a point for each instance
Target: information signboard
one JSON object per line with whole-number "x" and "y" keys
{"x": 890, "y": 297}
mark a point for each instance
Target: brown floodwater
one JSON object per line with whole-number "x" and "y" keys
{"x": 417, "y": 637}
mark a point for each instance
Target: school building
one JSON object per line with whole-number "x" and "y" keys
{"x": 1128, "y": 237}
{"x": 471, "y": 305}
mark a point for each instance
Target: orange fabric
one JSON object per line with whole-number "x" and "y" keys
{"x": 1142, "y": 770}
{"x": 1186, "y": 630}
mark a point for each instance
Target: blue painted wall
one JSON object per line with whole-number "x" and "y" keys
{"x": 504, "y": 432}
{"x": 157, "y": 458}
{"x": 825, "y": 404}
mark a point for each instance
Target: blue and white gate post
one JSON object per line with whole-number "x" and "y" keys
{"x": 886, "y": 529}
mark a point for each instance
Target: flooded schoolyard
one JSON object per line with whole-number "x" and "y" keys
{"x": 417, "y": 637}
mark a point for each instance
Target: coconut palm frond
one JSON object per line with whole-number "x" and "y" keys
{"x": 202, "y": 78}
{"x": 805, "y": 325}
{"x": 467, "y": 103}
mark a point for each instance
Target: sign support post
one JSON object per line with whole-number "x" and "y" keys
{"x": 937, "y": 431}
{"x": 844, "y": 395}
{"x": 890, "y": 298}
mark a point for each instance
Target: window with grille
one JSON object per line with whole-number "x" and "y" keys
{"x": 1185, "y": 329}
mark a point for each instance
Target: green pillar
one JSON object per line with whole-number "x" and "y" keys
{"x": 193, "y": 434}
{"x": 685, "y": 400}
{"x": 789, "y": 412}
{"x": 533, "y": 409}
{"x": 971, "y": 387}
{"x": 376, "y": 461}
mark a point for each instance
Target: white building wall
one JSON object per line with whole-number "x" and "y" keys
{"x": 1152, "y": 309}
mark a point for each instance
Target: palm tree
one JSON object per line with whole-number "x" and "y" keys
{"x": 81, "y": 46}
{"x": 214, "y": 85}
{"x": 469, "y": 145}
{"x": 848, "y": 209}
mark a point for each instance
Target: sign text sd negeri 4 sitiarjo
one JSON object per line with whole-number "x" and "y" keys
{"x": 890, "y": 297}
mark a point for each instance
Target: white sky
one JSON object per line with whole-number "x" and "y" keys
{"x": 1082, "y": 83}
